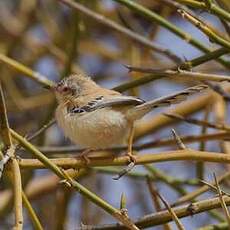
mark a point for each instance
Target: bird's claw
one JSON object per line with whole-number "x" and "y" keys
{"x": 84, "y": 156}
{"x": 132, "y": 158}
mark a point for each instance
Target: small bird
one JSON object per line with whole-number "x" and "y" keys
{"x": 97, "y": 118}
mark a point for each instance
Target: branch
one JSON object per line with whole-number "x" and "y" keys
{"x": 212, "y": 8}
{"x": 164, "y": 216}
{"x": 185, "y": 75}
{"x": 213, "y": 36}
{"x": 68, "y": 181}
{"x": 178, "y": 155}
{"x": 152, "y": 144}
{"x": 124, "y": 31}
{"x": 152, "y": 16}
{"x": 27, "y": 71}
{"x": 13, "y": 163}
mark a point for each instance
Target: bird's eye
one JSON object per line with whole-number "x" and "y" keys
{"x": 65, "y": 89}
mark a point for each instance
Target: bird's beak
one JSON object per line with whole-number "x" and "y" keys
{"x": 52, "y": 88}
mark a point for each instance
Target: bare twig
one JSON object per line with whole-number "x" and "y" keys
{"x": 214, "y": 187}
{"x": 199, "y": 122}
{"x": 213, "y": 36}
{"x": 155, "y": 199}
{"x": 164, "y": 216}
{"x": 199, "y": 191}
{"x": 223, "y": 204}
{"x": 35, "y": 221}
{"x": 124, "y": 31}
{"x": 186, "y": 154}
{"x": 179, "y": 73}
{"x": 171, "y": 211}
{"x": 26, "y": 70}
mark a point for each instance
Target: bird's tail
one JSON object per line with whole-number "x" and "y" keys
{"x": 139, "y": 111}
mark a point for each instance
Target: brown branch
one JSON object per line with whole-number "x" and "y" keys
{"x": 156, "y": 201}
{"x": 222, "y": 201}
{"x": 213, "y": 36}
{"x": 178, "y": 73}
{"x": 187, "y": 154}
{"x": 171, "y": 211}
{"x": 13, "y": 163}
{"x": 164, "y": 216}
{"x": 152, "y": 144}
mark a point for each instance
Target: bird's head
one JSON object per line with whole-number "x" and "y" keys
{"x": 71, "y": 87}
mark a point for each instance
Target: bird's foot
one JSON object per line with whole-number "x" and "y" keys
{"x": 84, "y": 156}
{"x": 132, "y": 158}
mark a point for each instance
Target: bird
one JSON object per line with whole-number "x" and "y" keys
{"x": 95, "y": 117}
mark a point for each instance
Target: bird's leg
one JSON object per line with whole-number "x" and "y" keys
{"x": 129, "y": 154}
{"x": 130, "y": 145}
{"x": 84, "y": 155}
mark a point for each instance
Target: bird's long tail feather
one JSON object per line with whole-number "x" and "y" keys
{"x": 140, "y": 110}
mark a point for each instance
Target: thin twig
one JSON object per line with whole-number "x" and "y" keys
{"x": 41, "y": 130}
{"x": 152, "y": 16}
{"x": 35, "y": 221}
{"x": 155, "y": 199}
{"x": 171, "y": 211}
{"x": 213, "y": 36}
{"x": 124, "y": 31}
{"x": 167, "y": 179}
{"x": 223, "y": 204}
{"x": 191, "y": 196}
{"x": 212, "y": 8}
{"x": 214, "y": 187}
{"x": 152, "y": 144}
{"x": 198, "y": 122}
{"x": 27, "y": 71}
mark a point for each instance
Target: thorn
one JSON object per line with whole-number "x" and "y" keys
{"x": 178, "y": 140}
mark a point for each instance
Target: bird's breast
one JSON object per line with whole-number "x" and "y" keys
{"x": 102, "y": 128}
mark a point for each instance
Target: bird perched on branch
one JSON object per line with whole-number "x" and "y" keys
{"x": 97, "y": 118}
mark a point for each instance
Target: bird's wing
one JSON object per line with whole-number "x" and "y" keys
{"x": 102, "y": 102}
{"x": 140, "y": 110}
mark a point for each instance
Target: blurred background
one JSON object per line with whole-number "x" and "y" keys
{"x": 56, "y": 40}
